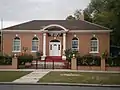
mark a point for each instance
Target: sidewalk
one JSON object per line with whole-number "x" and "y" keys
{"x": 67, "y": 70}
{"x": 33, "y": 77}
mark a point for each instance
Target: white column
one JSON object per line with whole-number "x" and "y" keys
{"x": 64, "y": 42}
{"x": 44, "y": 44}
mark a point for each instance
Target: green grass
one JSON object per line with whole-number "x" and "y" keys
{"x": 9, "y": 76}
{"x": 84, "y": 77}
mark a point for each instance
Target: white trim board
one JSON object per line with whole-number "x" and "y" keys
{"x": 71, "y": 31}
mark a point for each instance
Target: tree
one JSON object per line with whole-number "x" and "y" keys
{"x": 70, "y": 18}
{"x": 106, "y": 13}
{"x": 78, "y": 14}
{"x": 87, "y": 15}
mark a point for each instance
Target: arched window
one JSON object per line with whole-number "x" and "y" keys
{"x": 35, "y": 44}
{"x": 75, "y": 44}
{"x": 94, "y": 44}
{"x": 16, "y": 44}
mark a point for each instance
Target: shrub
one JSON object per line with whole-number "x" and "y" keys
{"x": 38, "y": 55}
{"x": 5, "y": 60}
{"x": 89, "y": 60}
{"x": 113, "y": 61}
{"x": 69, "y": 54}
{"x": 25, "y": 58}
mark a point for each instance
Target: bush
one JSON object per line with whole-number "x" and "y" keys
{"x": 88, "y": 60}
{"x": 113, "y": 61}
{"x": 5, "y": 60}
{"x": 24, "y": 59}
{"x": 69, "y": 54}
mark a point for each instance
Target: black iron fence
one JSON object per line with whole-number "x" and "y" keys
{"x": 43, "y": 64}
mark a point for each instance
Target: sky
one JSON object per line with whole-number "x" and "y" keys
{"x": 18, "y": 11}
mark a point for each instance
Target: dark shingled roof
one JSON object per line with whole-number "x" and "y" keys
{"x": 71, "y": 25}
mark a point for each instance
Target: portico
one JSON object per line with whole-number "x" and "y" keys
{"x": 54, "y": 37}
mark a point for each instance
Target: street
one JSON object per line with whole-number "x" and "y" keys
{"x": 47, "y": 87}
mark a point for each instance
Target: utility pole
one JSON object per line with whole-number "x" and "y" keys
{"x": 1, "y": 35}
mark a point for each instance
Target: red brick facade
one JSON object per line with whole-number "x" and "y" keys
{"x": 84, "y": 41}
{"x": 64, "y": 29}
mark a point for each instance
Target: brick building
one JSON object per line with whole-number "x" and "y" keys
{"x": 53, "y": 37}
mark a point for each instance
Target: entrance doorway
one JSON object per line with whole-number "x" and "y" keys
{"x": 55, "y": 48}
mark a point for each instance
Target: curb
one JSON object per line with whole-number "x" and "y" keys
{"x": 61, "y": 84}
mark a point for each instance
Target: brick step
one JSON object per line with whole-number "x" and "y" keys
{"x": 54, "y": 57}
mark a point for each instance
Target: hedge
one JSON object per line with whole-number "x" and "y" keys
{"x": 24, "y": 59}
{"x": 88, "y": 60}
{"x": 5, "y": 60}
{"x": 113, "y": 61}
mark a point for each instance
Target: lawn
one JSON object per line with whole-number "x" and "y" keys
{"x": 81, "y": 77}
{"x": 9, "y": 76}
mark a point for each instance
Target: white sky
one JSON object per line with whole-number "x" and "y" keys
{"x": 18, "y": 11}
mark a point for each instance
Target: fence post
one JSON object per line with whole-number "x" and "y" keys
{"x": 102, "y": 64}
{"x": 53, "y": 63}
{"x": 73, "y": 63}
{"x": 14, "y": 62}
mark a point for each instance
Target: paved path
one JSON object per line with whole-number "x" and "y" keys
{"x": 33, "y": 77}
{"x": 59, "y": 70}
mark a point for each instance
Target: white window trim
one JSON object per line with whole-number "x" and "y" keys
{"x": 78, "y": 43}
{"x": 16, "y": 51}
{"x": 13, "y": 46}
{"x": 38, "y": 44}
{"x": 97, "y": 47}
{"x": 33, "y": 51}
{"x": 94, "y": 52}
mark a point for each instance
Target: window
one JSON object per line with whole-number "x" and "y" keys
{"x": 16, "y": 44}
{"x": 35, "y": 44}
{"x": 75, "y": 44}
{"x": 94, "y": 45}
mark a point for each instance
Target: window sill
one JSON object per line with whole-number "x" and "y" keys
{"x": 33, "y": 51}
{"x": 16, "y": 51}
{"x": 94, "y": 52}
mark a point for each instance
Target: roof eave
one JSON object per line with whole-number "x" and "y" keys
{"x": 71, "y": 31}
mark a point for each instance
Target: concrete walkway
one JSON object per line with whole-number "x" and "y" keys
{"x": 33, "y": 77}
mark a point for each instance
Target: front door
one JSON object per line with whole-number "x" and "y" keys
{"x": 55, "y": 49}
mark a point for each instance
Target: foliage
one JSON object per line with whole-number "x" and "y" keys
{"x": 22, "y": 59}
{"x": 113, "y": 61}
{"x": 5, "y": 60}
{"x": 106, "y": 13}
{"x": 70, "y": 18}
{"x": 89, "y": 60}
{"x": 25, "y": 49}
{"x": 69, "y": 54}
{"x": 77, "y": 15}
{"x": 105, "y": 55}
{"x": 86, "y": 60}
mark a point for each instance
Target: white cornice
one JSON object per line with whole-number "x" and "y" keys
{"x": 22, "y": 31}
{"x": 71, "y": 31}
{"x": 88, "y": 31}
